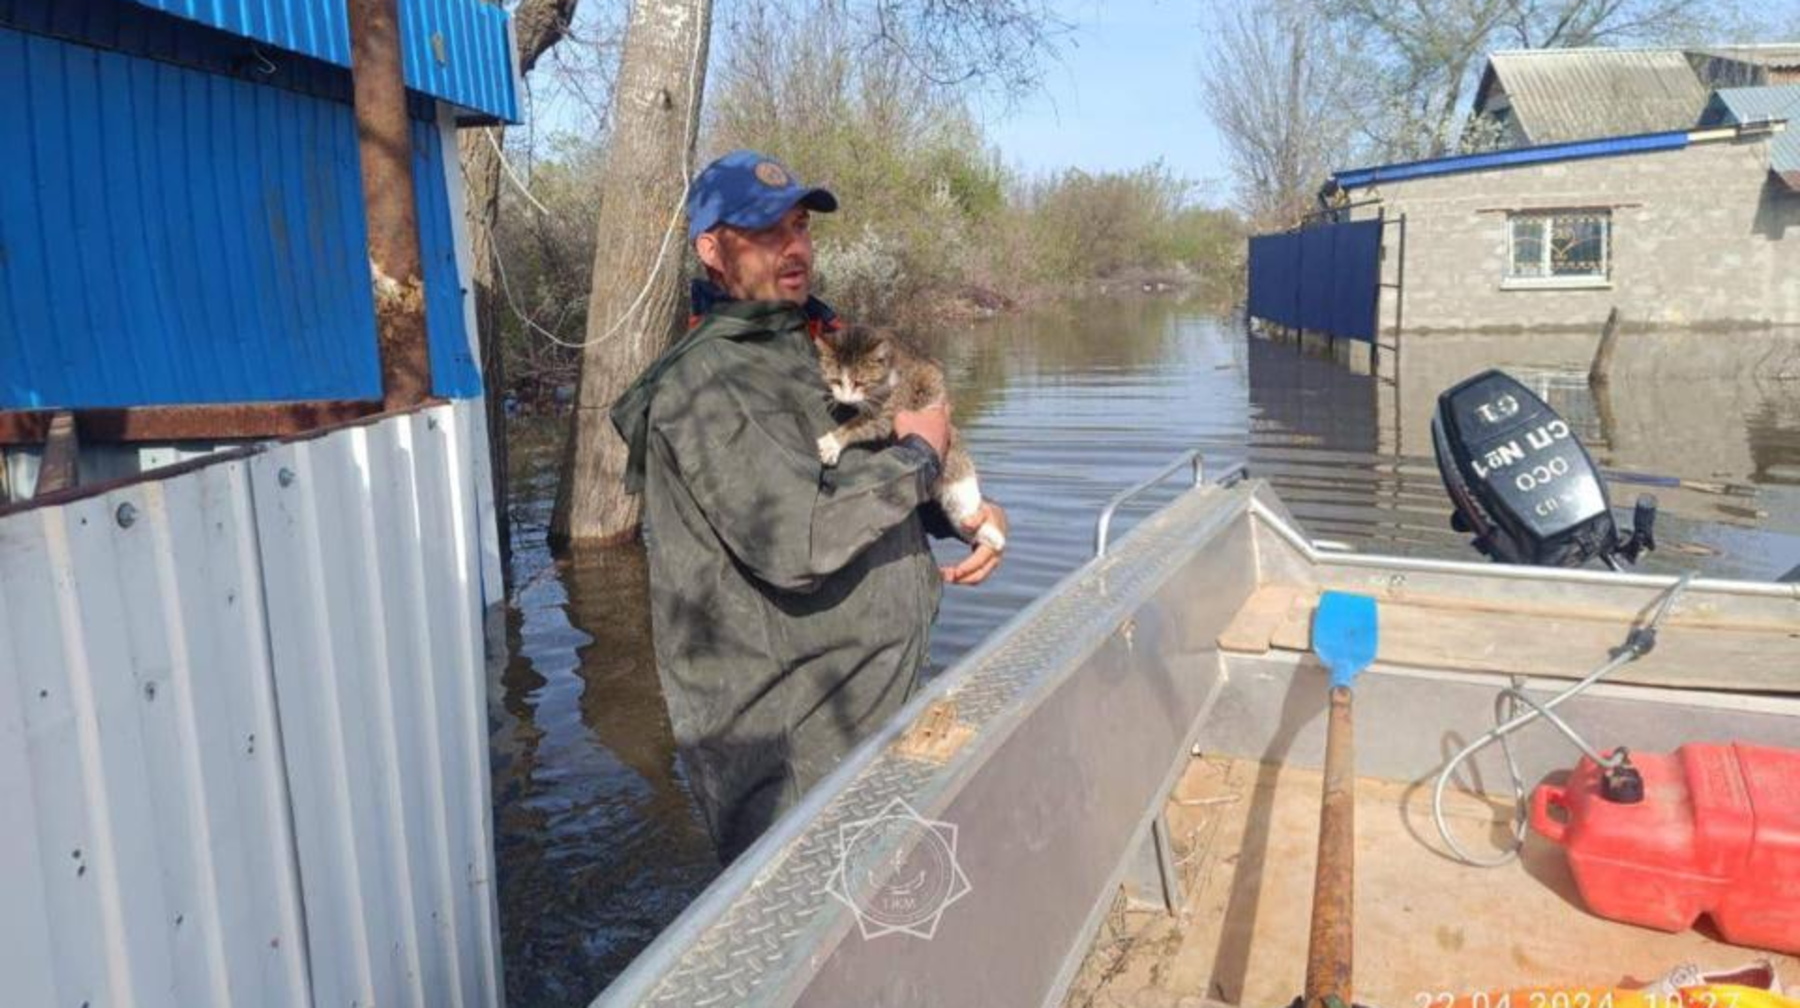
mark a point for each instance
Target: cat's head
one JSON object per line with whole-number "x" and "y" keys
{"x": 858, "y": 364}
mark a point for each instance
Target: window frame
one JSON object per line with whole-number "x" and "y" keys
{"x": 1547, "y": 280}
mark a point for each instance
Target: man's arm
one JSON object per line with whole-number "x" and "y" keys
{"x": 755, "y": 476}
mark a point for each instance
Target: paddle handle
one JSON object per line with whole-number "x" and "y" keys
{"x": 1329, "y": 952}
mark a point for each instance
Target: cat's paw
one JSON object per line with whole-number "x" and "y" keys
{"x": 990, "y": 536}
{"x": 829, "y": 449}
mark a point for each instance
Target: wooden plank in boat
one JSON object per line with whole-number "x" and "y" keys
{"x": 1253, "y": 628}
{"x": 1477, "y": 636}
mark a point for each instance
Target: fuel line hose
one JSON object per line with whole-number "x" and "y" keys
{"x": 1507, "y": 720}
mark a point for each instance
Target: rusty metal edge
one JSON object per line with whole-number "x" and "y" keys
{"x": 188, "y": 423}
{"x": 371, "y": 414}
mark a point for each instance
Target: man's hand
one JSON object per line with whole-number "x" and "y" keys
{"x": 984, "y": 559}
{"x": 931, "y": 423}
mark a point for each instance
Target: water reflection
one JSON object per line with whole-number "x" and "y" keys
{"x": 600, "y": 845}
{"x": 1700, "y": 419}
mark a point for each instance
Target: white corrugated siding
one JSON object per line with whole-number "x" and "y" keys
{"x": 242, "y": 739}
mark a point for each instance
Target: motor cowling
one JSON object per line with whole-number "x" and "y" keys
{"x": 1521, "y": 481}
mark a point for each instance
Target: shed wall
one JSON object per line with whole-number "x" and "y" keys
{"x": 1701, "y": 237}
{"x": 242, "y": 737}
{"x": 174, "y": 236}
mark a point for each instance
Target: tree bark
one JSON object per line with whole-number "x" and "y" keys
{"x": 636, "y": 304}
{"x": 537, "y": 26}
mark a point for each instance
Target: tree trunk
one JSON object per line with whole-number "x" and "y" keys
{"x": 636, "y": 304}
{"x": 481, "y": 173}
{"x": 537, "y": 26}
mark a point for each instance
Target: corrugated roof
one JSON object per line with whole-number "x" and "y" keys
{"x": 457, "y": 50}
{"x": 1752, "y": 104}
{"x": 1562, "y": 95}
{"x": 1775, "y": 55}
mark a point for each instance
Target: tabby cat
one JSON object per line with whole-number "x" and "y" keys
{"x": 879, "y": 374}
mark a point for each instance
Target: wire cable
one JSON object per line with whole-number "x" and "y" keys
{"x": 662, "y": 252}
{"x": 518, "y": 183}
{"x": 1507, "y": 720}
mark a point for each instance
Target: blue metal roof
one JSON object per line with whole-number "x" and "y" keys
{"x": 1735, "y": 106}
{"x": 1512, "y": 158}
{"x": 457, "y": 50}
{"x": 171, "y": 236}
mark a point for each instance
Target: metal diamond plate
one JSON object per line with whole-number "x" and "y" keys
{"x": 782, "y": 922}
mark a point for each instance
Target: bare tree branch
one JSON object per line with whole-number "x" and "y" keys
{"x": 1287, "y": 115}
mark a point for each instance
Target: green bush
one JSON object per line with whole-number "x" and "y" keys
{"x": 931, "y": 219}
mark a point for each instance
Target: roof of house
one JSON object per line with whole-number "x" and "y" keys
{"x": 1774, "y": 55}
{"x": 1736, "y": 106}
{"x": 457, "y": 50}
{"x": 1562, "y": 95}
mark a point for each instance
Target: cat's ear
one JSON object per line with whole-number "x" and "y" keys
{"x": 883, "y": 352}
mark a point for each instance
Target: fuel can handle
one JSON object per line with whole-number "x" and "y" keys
{"x": 1546, "y": 797}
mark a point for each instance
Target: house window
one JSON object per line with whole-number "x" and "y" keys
{"x": 1553, "y": 249}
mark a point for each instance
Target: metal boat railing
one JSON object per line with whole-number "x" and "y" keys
{"x": 1229, "y": 475}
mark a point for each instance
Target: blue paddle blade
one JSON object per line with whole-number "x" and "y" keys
{"x": 1344, "y": 634}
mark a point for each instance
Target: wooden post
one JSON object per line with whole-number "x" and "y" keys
{"x": 384, "y": 142}
{"x": 1600, "y": 372}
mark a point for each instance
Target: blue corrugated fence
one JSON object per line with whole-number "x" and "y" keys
{"x": 1326, "y": 279}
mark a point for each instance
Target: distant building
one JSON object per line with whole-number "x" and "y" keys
{"x": 1547, "y": 96}
{"x": 1663, "y": 183}
{"x": 1748, "y": 65}
{"x": 1682, "y": 228}
{"x": 1532, "y": 97}
{"x": 1751, "y": 105}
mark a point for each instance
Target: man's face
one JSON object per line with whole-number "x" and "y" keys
{"x": 774, "y": 264}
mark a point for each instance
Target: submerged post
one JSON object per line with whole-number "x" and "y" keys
{"x": 1600, "y": 371}
{"x": 384, "y": 144}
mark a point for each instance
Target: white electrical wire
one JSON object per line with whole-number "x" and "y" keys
{"x": 512, "y": 302}
{"x": 517, "y": 182}
{"x": 662, "y": 252}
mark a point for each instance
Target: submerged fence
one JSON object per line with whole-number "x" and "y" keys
{"x": 1324, "y": 279}
{"x": 243, "y": 738}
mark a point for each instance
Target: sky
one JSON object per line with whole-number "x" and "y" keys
{"x": 1125, "y": 92}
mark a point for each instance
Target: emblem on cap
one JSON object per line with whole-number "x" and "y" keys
{"x": 770, "y": 174}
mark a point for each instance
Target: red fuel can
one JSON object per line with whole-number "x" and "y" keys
{"x": 1717, "y": 832}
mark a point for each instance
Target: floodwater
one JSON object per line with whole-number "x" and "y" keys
{"x": 599, "y": 844}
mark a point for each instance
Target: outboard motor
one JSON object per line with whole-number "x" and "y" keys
{"x": 1522, "y": 483}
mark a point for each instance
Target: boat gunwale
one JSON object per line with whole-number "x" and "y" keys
{"x": 658, "y": 960}
{"x": 1283, "y": 527}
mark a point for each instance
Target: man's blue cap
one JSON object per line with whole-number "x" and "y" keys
{"x": 749, "y": 190}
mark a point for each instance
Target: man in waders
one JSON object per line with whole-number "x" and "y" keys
{"x": 792, "y": 604}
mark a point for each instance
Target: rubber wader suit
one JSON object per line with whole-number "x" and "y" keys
{"x": 791, "y": 604}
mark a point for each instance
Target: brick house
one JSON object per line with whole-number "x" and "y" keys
{"x": 1690, "y": 218}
